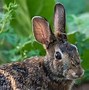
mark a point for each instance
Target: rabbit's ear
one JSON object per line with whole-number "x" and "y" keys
{"x": 41, "y": 30}
{"x": 59, "y": 19}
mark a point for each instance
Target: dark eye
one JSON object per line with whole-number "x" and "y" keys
{"x": 58, "y": 55}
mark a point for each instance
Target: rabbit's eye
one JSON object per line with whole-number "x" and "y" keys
{"x": 58, "y": 55}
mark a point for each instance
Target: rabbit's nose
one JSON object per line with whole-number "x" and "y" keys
{"x": 80, "y": 74}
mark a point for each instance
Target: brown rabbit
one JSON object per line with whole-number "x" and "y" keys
{"x": 56, "y": 71}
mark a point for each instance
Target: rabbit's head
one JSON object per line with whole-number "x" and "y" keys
{"x": 62, "y": 58}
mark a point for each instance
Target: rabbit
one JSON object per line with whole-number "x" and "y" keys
{"x": 57, "y": 70}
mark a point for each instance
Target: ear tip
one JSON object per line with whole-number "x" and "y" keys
{"x": 59, "y": 5}
{"x": 39, "y": 19}
{"x": 36, "y": 17}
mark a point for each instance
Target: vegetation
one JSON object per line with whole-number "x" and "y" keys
{"x": 16, "y": 38}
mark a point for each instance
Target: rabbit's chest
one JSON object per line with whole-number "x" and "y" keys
{"x": 60, "y": 86}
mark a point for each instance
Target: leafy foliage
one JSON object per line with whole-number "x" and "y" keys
{"x": 75, "y": 7}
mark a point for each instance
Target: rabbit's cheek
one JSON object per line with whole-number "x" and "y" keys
{"x": 65, "y": 69}
{"x": 57, "y": 64}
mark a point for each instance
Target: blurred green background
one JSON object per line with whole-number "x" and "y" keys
{"x": 16, "y": 38}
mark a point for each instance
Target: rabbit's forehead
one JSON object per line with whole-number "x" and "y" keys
{"x": 66, "y": 47}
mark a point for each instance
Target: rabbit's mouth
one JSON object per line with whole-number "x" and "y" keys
{"x": 74, "y": 75}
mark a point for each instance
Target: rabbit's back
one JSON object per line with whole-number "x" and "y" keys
{"x": 26, "y": 75}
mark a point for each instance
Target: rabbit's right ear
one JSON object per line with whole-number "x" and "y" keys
{"x": 41, "y": 30}
{"x": 59, "y": 21}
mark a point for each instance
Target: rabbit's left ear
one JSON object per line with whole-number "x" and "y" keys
{"x": 59, "y": 21}
{"x": 42, "y": 31}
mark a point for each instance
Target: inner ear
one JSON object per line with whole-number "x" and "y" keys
{"x": 42, "y": 31}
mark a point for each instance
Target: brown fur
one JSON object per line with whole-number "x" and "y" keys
{"x": 28, "y": 75}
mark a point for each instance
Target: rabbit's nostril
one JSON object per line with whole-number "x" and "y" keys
{"x": 79, "y": 74}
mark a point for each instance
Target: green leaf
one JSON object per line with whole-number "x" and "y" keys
{"x": 44, "y": 8}
{"x": 78, "y": 24}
